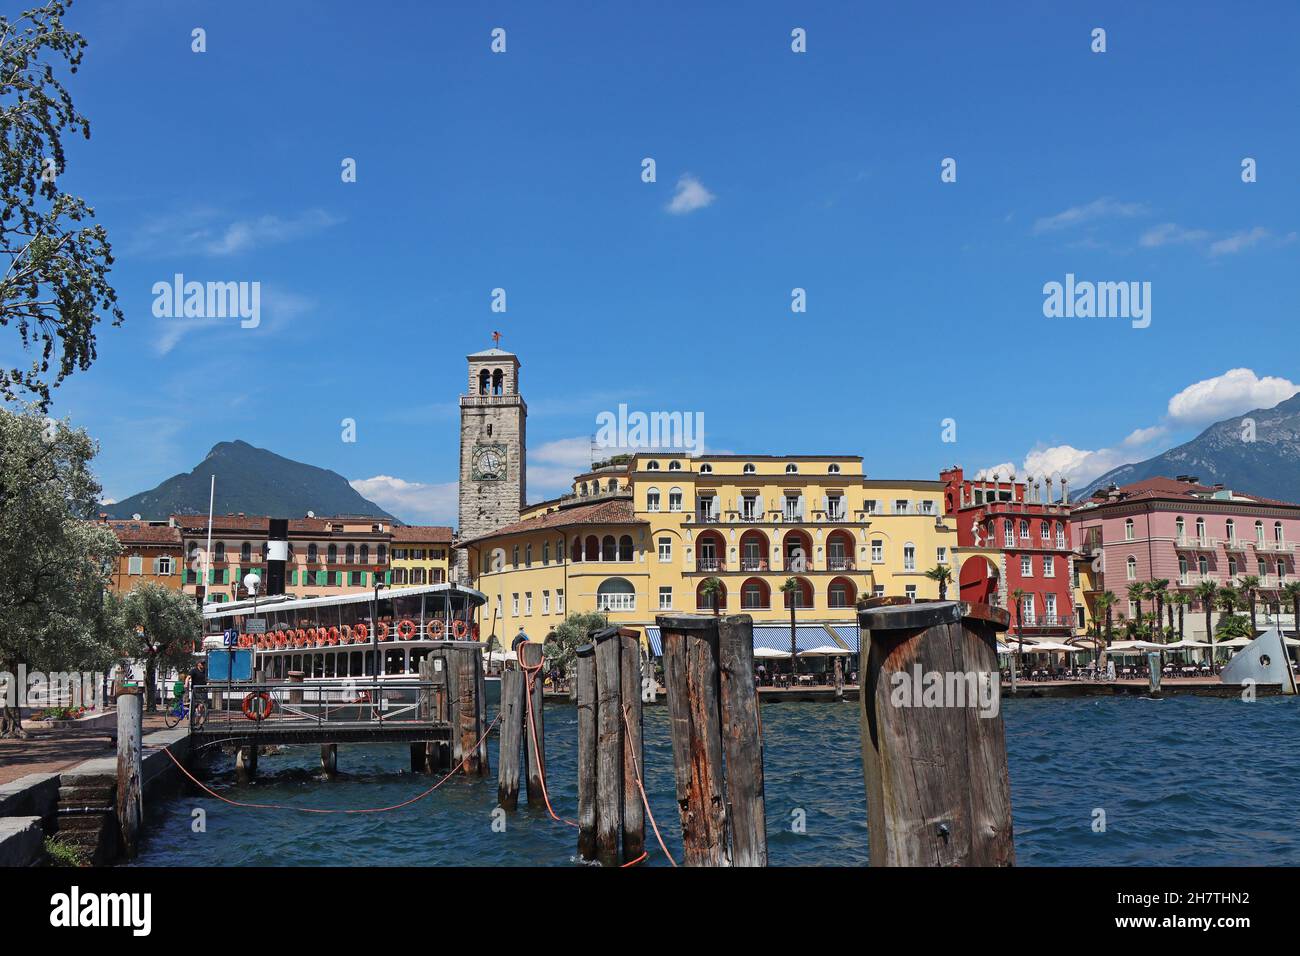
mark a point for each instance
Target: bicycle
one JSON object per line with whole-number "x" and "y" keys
{"x": 181, "y": 709}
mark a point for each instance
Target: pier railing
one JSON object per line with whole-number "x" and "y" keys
{"x": 280, "y": 706}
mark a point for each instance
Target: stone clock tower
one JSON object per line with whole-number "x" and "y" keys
{"x": 492, "y": 447}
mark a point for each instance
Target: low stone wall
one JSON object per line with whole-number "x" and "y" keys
{"x": 35, "y": 795}
{"x": 22, "y": 841}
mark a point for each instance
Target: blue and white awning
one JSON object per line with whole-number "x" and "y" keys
{"x": 776, "y": 637}
{"x": 656, "y": 642}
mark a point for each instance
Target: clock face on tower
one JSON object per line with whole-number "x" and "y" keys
{"x": 489, "y": 463}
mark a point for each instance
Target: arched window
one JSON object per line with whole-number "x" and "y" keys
{"x": 792, "y": 469}
{"x": 381, "y": 554}
{"x": 365, "y": 554}
{"x": 704, "y": 602}
{"x": 613, "y": 484}
{"x": 578, "y": 554}
{"x": 1203, "y": 566}
{"x": 313, "y": 553}
{"x": 608, "y": 548}
{"x": 1277, "y": 531}
{"x": 755, "y": 595}
{"x": 675, "y": 499}
{"x": 592, "y": 548}
{"x": 652, "y": 466}
{"x": 833, "y": 469}
{"x": 1045, "y": 531}
{"x": 797, "y": 549}
{"x": 841, "y": 593}
{"x": 245, "y": 553}
{"x": 652, "y": 499}
{"x": 1230, "y": 528}
{"x": 1128, "y": 529}
{"x": 1259, "y": 532}
{"x": 559, "y": 548}
{"x": 616, "y": 594}
{"x": 220, "y": 551}
{"x": 1131, "y": 565}
{"x": 625, "y": 548}
{"x": 801, "y": 596}
{"x": 1200, "y": 529}
{"x": 706, "y": 469}
{"x": 484, "y": 377}
{"x": 1024, "y": 528}
{"x": 1180, "y": 527}
{"x": 350, "y": 554}
{"x": 332, "y": 555}
{"x": 674, "y": 466}
{"x": 749, "y": 468}
{"x": 498, "y": 382}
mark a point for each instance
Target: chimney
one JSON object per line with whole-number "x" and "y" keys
{"x": 1065, "y": 490}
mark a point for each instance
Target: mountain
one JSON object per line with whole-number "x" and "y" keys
{"x": 1268, "y": 466}
{"x": 253, "y": 481}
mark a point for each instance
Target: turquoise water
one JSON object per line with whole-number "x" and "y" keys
{"x": 1181, "y": 781}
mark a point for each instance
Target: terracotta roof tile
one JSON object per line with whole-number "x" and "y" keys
{"x": 610, "y": 511}
{"x": 437, "y": 534}
{"x": 142, "y": 532}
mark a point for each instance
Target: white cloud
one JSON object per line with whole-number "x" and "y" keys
{"x": 412, "y": 501}
{"x": 207, "y": 231}
{"x": 1235, "y": 391}
{"x": 1170, "y": 233}
{"x": 1239, "y": 241}
{"x": 551, "y": 466}
{"x": 1144, "y": 436}
{"x": 690, "y": 196}
{"x": 1104, "y": 208}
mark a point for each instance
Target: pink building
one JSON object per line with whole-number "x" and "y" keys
{"x": 1186, "y": 532}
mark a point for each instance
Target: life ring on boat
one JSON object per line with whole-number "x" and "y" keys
{"x": 360, "y": 633}
{"x": 345, "y": 634}
{"x": 363, "y": 697}
{"x": 312, "y": 637}
{"x": 281, "y": 639}
{"x": 435, "y": 629}
{"x": 383, "y": 630}
{"x": 406, "y": 629}
{"x": 300, "y": 638}
{"x": 332, "y": 638}
{"x": 459, "y": 629}
{"x": 258, "y": 706}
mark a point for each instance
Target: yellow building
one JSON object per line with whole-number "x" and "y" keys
{"x": 420, "y": 554}
{"x": 640, "y": 535}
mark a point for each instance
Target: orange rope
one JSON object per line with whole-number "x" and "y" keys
{"x": 276, "y": 806}
{"x": 531, "y": 673}
{"x": 637, "y": 771}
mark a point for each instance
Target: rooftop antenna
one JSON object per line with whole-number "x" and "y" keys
{"x": 496, "y": 339}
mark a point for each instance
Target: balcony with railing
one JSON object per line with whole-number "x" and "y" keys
{"x": 1276, "y": 547}
{"x": 1195, "y": 543}
{"x": 837, "y": 563}
{"x": 1234, "y": 544}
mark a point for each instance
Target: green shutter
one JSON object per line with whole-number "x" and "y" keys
{"x": 225, "y": 575}
{"x": 388, "y": 577}
{"x": 321, "y": 578}
{"x": 293, "y": 577}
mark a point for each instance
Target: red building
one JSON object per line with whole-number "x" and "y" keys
{"x": 1012, "y": 537}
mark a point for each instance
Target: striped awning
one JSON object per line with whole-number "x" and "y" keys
{"x": 777, "y": 637}
{"x": 656, "y": 642}
{"x": 847, "y": 634}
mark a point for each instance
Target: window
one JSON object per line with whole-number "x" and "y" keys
{"x": 652, "y": 500}
{"x": 652, "y": 466}
{"x": 559, "y": 600}
{"x": 665, "y": 599}
{"x": 1259, "y": 532}
{"x": 1277, "y": 531}
{"x": 1024, "y": 530}
{"x": 674, "y": 466}
{"x": 1008, "y": 535}
{"x": 675, "y": 500}
{"x": 1049, "y": 602}
{"x": 793, "y": 511}
{"x": 941, "y": 555}
{"x": 840, "y": 594}
{"x": 1232, "y": 566}
{"x": 909, "y": 557}
{"x": 877, "y": 590}
{"x": 1026, "y": 566}
{"x": 1180, "y": 527}
{"x": 165, "y": 565}
{"x": 869, "y": 506}
{"x": 877, "y": 551}
{"x": 749, "y": 468}
{"x": 900, "y": 506}
{"x": 1027, "y": 609}
{"x": 1230, "y": 528}
{"x": 499, "y": 613}
{"x": 749, "y": 508}
{"x": 833, "y": 469}
{"x": 1200, "y": 530}
{"x": 1060, "y": 535}
{"x": 835, "y": 510}
{"x": 135, "y": 564}
{"x": 616, "y": 594}
{"x": 1203, "y": 567}
{"x": 925, "y": 507}
{"x": 608, "y": 548}
{"x": 528, "y": 555}
{"x": 1049, "y": 566}
{"x": 514, "y": 605}
{"x": 546, "y": 602}
{"x": 1131, "y": 568}
{"x": 332, "y": 554}
{"x": 754, "y": 595}
{"x": 911, "y": 592}
{"x": 245, "y": 553}
{"x": 220, "y": 551}
{"x": 350, "y": 554}
{"x": 1128, "y": 529}
{"x": 792, "y": 469}
{"x": 1182, "y": 570}
{"x": 546, "y": 552}
{"x": 706, "y": 469}
{"x": 665, "y": 549}
{"x": 1045, "y": 532}
{"x": 514, "y": 556}
{"x": 312, "y": 554}
{"x": 528, "y": 602}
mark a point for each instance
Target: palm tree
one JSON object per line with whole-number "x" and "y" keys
{"x": 711, "y": 588}
{"x": 943, "y": 575}
{"x": 1105, "y": 604}
{"x": 790, "y": 589}
{"x": 1291, "y": 591}
{"x": 1157, "y": 587}
{"x": 1179, "y": 600}
{"x": 1136, "y": 592}
{"x": 1207, "y": 593}
{"x": 1250, "y": 584}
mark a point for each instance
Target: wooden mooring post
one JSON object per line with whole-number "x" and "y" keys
{"x": 130, "y": 794}
{"x": 530, "y": 656}
{"x": 712, "y": 711}
{"x": 934, "y": 756}
{"x": 511, "y": 737}
{"x": 611, "y": 817}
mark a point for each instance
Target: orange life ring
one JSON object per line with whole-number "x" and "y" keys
{"x": 266, "y": 709}
{"x": 435, "y": 629}
{"x": 281, "y": 639}
{"x": 345, "y": 634}
{"x": 300, "y": 638}
{"x": 383, "y": 630}
{"x": 459, "y": 628}
{"x": 312, "y": 637}
{"x": 333, "y": 637}
{"x": 360, "y": 633}
{"x": 406, "y": 629}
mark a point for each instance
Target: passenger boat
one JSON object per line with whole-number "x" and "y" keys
{"x": 334, "y": 640}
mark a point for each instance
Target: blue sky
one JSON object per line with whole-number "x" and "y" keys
{"x": 818, "y": 170}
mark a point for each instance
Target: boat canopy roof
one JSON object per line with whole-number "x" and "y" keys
{"x": 278, "y": 603}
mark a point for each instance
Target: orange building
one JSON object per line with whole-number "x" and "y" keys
{"x": 151, "y": 551}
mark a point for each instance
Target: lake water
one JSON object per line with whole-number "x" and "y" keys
{"x": 1184, "y": 780}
